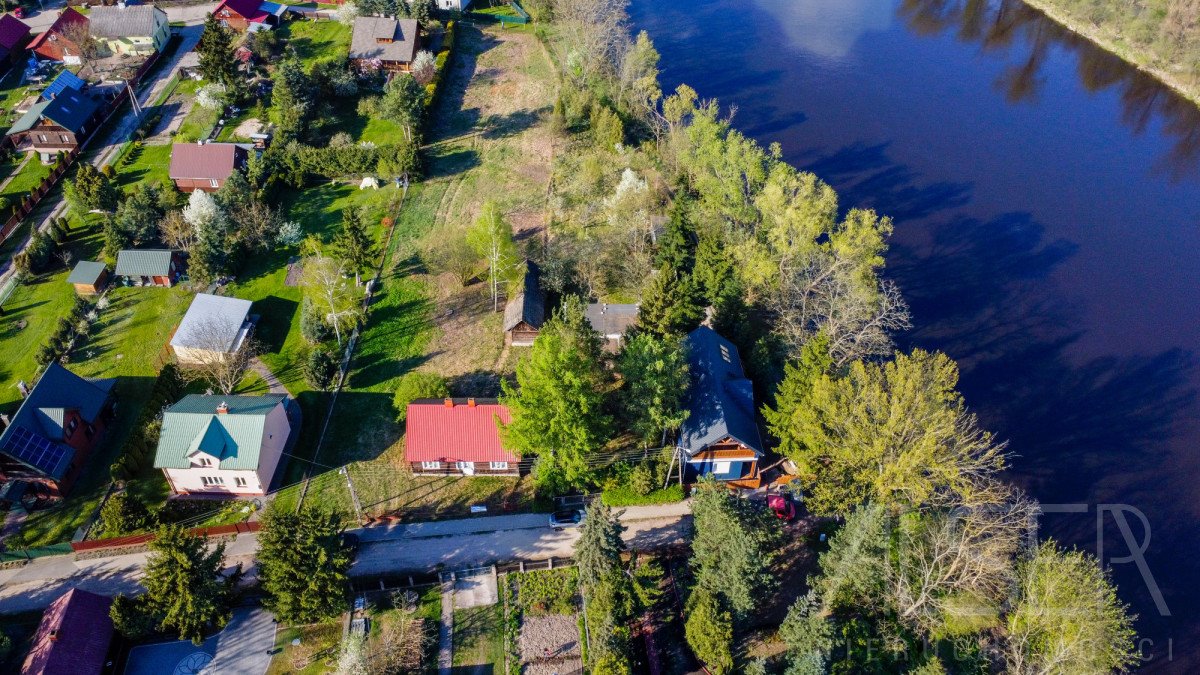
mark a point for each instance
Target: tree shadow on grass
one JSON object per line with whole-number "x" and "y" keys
{"x": 276, "y": 320}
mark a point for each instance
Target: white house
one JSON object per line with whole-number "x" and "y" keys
{"x": 213, "y": 444}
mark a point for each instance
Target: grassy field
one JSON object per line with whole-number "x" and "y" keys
{"x": 479, "y": 638}
{"x": 316, "y": 40}
{"x": 148, "y": 164}
{"x": 200, "y": 120}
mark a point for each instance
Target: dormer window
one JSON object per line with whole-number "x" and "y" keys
{"x": 204, "y": 461}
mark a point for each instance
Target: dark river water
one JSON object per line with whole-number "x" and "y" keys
{"x": 1047, "y": 206}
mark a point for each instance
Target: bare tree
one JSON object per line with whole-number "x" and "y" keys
{"x": 326, "y": 283}
{"x": 79, "y": 35}
{"x": 66, "y": 256}
{"x": 825, "y": 294}
{"x": 595, "y": 34}
{"x": 177, "y": 232}
{"x": 217, "y": 352}
{"x": 452, "y": 255}
{"x": 399, "y": 649}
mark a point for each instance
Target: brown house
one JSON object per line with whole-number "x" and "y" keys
{"x": 205, "y": 167}
{"x": 239, "y": 14}
{"x": 526, "y": 311}
{"x": 54, "y": 45}
{"x": 14, "y": 35}
{"x": 73, "y": 636}
{"x": 50, "y": 437}
{"x": 57, "y": 124}
{"x": 149, "y": 267}
{"x": 380, "y": 42}
{"x": 89, "y": 277}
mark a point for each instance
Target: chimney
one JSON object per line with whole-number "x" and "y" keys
{"x": 54, "y": 635}
{"x": 223, "y": 408}
{"x": 449, "y": 403}
{"x": 470, "y": 403}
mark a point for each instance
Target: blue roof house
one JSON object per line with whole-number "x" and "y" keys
{"x": 58, "y": 424}
{"x": 60, "y": 122}
{"x": 720, "y": 436}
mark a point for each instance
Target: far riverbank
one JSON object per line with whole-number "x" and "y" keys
{"x": 1106, "y": 38}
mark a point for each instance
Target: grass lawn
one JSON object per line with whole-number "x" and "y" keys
{"x": 147, "y": 164}
{"x": 30, "y": 176}
{"x": 199, "y": 120}
{"x": 12, "y": 92}
{"x": 316, "y": 653}
{"x": 479, "y": 637}
{"x": 316, "y": 40}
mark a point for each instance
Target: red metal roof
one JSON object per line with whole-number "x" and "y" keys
{"x": 12, "y": 32}
{"x": 66, "y": 18}
{"x": 463, "y": 433}
{"x": 73, "y": 637}
{"x": 205, "y": 162}
{"x": 250, "y": 10}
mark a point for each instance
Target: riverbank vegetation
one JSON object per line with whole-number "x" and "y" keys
{"x": 1162, "y": 36}
{"x": 657, "y": 196}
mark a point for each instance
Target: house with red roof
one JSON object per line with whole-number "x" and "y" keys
{"x": 458, "y": 437}
{"x": 73, "y": 637}
{"x": 54, "y": 44}
{"x": 14, "y": 35}
{"x": 241, "y": 15}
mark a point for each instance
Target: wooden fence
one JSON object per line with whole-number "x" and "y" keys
{"x": 142, "y": 539}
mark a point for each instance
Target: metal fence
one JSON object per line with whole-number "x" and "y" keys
{"x": 10, "y": 555}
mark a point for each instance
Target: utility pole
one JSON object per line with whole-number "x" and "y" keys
{"x": 353, "y": 494}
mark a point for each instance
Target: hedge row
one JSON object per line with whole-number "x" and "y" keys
{"x": 71, "y": 326}
{"x": 138, "y": 453}
{"x": 626, "y": 496}
{"x": 440, "y": 61}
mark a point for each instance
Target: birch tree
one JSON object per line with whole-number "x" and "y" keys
{"x": 491, "y": 237}
{"x": 332, "y": 293}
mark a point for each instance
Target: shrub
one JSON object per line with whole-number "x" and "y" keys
{"x": 312, "y": 327}
{"x": 548, "y": 591}
{"x": 320, "y": 368}
{"x": 626, "y": 496}
{"x": 641, "y": 479}
{"x": 415, "y": 385}
{"x": 122, "y": 514}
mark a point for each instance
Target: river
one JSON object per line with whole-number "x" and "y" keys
{"x": 1047, "y": 206}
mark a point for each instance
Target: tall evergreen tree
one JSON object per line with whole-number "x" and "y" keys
{"x": 184, "y": 586}
{"x": 598, "y": 551}
{"x": 303, "y": 565}
{"x": 216, "y": 52}
{"x": 293, "y": 99}
{"x": 353, "y": 245}
{"x": 557, "y": 405}
{"x": 655, "y": 374}
{"x": 91, "y": 189}
{"x": 670, "y": 303}
{"x": 792, "y": 397}
{"x": 677, "y": 245}
{"x": 733, "y": 548}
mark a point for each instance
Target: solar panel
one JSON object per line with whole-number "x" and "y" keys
{"x": 35, "y": 450}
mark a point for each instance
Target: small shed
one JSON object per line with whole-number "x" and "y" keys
{"x": 612, "y": 321}
{"x": 148, "y": 267}
{"x": 526, "y": 311}
{"x": 89, "y": 277}
{"x": 214, "y": 327}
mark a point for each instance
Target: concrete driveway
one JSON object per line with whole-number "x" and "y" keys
{"x": 243, "y": 648}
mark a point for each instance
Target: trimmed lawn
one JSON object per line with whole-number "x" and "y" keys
{"x": 316, "y": 40}
{"x": 147, "y": 164}
{"x": 30, "y": 176}
{"x": 479, "y": 637}
{"x": 199, "y": 121}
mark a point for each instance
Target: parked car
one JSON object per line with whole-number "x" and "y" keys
{"x": 566, "y": 518}
{"x": 783, "y": 508}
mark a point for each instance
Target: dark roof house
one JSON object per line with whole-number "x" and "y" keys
{"x": 390, "y": 43}
{"x": 70, "y": 109}
{"x": 526, "y": 311}
{"x": 40, "y": 440}
{"x": 119, "y": 21}
{"x": 611, "y": 321}
{"x": 73, "y": 637}
{"x": 720, "y": 430}
{"x": 14, "y": 35}
{"x": 205, "y": 167}
{"x": 65, "y": 80}
{"x": 457, "y": 436}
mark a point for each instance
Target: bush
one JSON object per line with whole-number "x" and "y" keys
{"x": 548, "y": 591}
{"x": 627, "y": 496}
{"x": 123, "y": 514}
{"x": 641, "y": 479}
{"x": 312, "y": 327}
{"x": 415, "y": 385}
{"x": 320, "y": 369}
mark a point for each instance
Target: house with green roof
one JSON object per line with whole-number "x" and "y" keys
{"x": 148, "y": 267}
{"x": 57, "y": 124}
{"x": 223, "y": 445}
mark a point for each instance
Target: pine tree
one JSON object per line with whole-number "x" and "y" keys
{"x": 216, "y": 52}
{"x": 733, "y": 548}
{"x": 184, "y": 586}
{"x": 558, "y": 404}
{"x": 792, "y": 397}
{"x": 598, "y": 551}
{"x": 302, "y": 564}
{"x": 677, "y": 245}
{"x": 709, "y": 631}
{"x": 669, "y": 304}
{"x": 655, "y": 374}
{"x": 353, "y": 244}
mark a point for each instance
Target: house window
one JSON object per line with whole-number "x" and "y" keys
{"x": 721, "y": 467}
{"x": 71, "y": 426}
{"x": 212, "y": 480}
{"x": 212, "y": 182}
{"x": 498, "y": 466}
{"x": 41, "y": 138}
{"x": 465, "y": 466}
{"x": 64, "y": 138}
{"x": 205, "y": 461}
{"x": 431, "y": 465}
{"x": 239, "y": 481}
